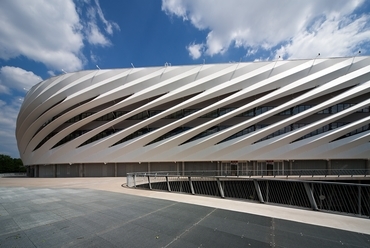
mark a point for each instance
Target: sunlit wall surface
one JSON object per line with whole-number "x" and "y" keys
{"x": 275, "y": 110}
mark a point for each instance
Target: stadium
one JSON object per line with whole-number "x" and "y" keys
{"x": 233, "y": 118}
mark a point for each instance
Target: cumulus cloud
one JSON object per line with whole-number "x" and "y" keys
{"x": 109, "y": 25}
{"x": 280, "y": 25}
{"x": 95, "y": 37}
{"x": 51, "y": 32}
{"x": 8, "y": 117}
{"x": 15, "y": 78}
{"x": 16, "y": 81}
{"x": 93, "y": 33}
{"x": 195, "y": 50}
{"x": 44, "y": 31}
{"x": 329, "y": 38}
{"x": 51, "y": 73}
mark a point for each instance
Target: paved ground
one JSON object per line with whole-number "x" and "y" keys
{"x": 98, "y": 212}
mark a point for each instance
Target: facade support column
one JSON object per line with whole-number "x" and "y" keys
{"x": 367, "y": 167}
{"x": 191, "y": 186}
{"x": 328, "y": 167}
{"x": 150, "y": 185}
{"x": 115, "y": 170}
{"x": 36, "y": 171}
{"x": 220, "y": 188}
{"x": 168, "y": 184}
{"x": 290, "y": 167}
{"x": 183, "y": 168}
{"x": 54, "y": 170}
{"x": 258, "y": 190}
{"x": 80, "y": 170}
{"x": 310, "y": 196}
{"x": 148, "y": 166}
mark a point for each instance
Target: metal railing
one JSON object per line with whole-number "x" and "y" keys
{"x": 14, "y": 174}
{"x": 331, "y": 196}
{"x": 263, "y": 173}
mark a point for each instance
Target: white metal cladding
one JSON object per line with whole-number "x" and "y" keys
{"x": 46, "y": 135}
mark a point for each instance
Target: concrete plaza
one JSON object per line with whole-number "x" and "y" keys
{"x": 99, "y": 212}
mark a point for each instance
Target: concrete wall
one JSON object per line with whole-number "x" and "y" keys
{"x": 99, "y": 170}
{"x": 67, "y": 170}
{"x": 346, "y": 164}
{"x": 46, "y": 171}
{"x": 121, "y": 169}
{"x": 124, "y": 168}
{"x": 309, "y": 165}
{"x": 199, "y": 166}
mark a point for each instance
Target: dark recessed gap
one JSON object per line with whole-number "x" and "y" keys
{"x": 170, "y": 134}
{"x": 135, "y": 134}
{"x": 58, "y": 115}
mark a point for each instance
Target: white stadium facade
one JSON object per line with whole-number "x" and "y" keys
{"x": 248, "y": 116}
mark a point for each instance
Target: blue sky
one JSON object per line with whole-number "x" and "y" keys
{"x": 39, "y": 38}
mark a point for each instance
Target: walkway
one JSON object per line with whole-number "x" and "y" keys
{"x": 80, "y": 212}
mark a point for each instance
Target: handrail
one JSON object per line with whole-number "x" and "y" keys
{"x": 343, "y": 197}
{"x": 260, "y": 173}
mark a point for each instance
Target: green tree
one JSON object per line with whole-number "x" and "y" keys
{"x": 9, "y": 164}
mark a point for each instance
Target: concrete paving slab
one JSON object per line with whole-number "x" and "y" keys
{"x": 101, "y": 213}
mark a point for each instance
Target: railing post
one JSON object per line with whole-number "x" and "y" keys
{"x": 359, "y": 199}
{"x": 168, "y": 184}
{"x": 191, "y": 186}
{"x": 258, "y": 190}
{"x": 310, "y": 196}
{"x": 150, "y": 185}
{"x": 220, "y": 188}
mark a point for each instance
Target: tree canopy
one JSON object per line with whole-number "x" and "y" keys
{"x": 10, "y": 165}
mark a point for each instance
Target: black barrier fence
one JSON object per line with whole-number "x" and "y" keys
{"x": 339, "y": 197}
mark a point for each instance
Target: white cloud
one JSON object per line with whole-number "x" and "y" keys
{"x": 51, "y": 32}
{"x": 109, "y": 25}
{"x": 8, "y": 118}
{"x": 173, "y": 7}
{"x": 95, "y": 37}
{"x": 51, "y": 73}
{"x": 195, "y": 50}
{"x": 266, "y": 24}
{"x": 15, "y": 78}
{"x": 44, "y": 31}
{"x": 93, "y": 33}
{"x": 94, "y": 58}
{"x": 251, "y": 52}
{"x": 329, "y": 38}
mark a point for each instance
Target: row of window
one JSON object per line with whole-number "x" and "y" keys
{"x": 255, "y": 112}
{"x": 99, "y": 136}
{"x": 323, "y": 129}
{"x": 136, "y": 134}
{"x": 215, "y": 113}
{"x": 358, "y": 130}
{"x": 295, "y": 110}
{"x": 336, "y": 108}
{"x": 244, "y": 131}
{"x": 207, "y": 132}
{"x": 70, "y": 137}
{"x": 170, "y": 134}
